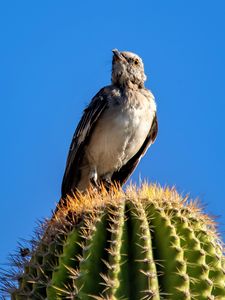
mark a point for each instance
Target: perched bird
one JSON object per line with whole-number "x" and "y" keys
{"x": 116, "y": 129}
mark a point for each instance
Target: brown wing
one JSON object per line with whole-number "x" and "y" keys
{"x": 80, "y": 139}
{"x": 124, "y": 173}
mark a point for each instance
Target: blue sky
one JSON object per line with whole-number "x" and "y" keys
{"x": 56, "y": 55}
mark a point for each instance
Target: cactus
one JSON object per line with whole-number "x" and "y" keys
{"x": 145, "y": 244}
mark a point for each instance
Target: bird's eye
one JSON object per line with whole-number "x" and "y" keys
{"x": 136, "y": 62}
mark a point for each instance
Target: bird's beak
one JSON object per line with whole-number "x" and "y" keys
{"x": 117, "y": 54}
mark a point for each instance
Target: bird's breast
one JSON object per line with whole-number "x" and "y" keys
{"x": 119, "y": 134}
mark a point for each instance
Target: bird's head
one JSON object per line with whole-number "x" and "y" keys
{"x": 127, "y": 69}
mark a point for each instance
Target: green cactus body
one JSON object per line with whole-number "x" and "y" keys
{"x": 145, "y": 244}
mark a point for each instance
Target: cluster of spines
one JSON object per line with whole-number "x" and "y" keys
{"x": 134, "y": 247}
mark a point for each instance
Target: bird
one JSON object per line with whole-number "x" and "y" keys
{"x": 115, "y": 130}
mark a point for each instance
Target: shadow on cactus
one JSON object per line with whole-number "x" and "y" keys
{"x": 147, "y": 243}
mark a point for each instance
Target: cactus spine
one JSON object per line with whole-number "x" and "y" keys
{"x": 143, "y": 244}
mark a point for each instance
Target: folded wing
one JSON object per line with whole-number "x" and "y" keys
{"x": 80, "y": 140}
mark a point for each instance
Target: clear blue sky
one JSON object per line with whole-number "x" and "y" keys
{"x": 56, "y": 55}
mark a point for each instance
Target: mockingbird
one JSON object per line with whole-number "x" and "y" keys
{"x": 116, "y": 129}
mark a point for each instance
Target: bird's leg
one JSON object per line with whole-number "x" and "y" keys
{"x": 93, "y": 176}
{"x": 107, "y": 181}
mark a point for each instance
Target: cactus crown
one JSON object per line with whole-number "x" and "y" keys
{"x": 149, "y": 243}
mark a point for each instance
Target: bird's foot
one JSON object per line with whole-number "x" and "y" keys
{"x": 94, "y": 184}
{"x": 107, "y": 183}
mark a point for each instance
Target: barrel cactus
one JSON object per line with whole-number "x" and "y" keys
{"x": 147, "y": 243}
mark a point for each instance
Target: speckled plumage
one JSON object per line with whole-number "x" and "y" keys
{"x": 115, "y": 130}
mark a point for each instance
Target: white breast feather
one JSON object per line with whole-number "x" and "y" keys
{"x": 119, "y": 135}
